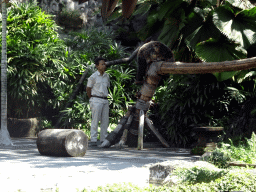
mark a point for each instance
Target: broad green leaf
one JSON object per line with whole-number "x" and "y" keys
{"x": 168, "y": 7}
{"x": 193, "y": 21}
{"x": 170, "y": 32}
{"x": 143, "y": 8}
{"x": 152, "y": 18}
{"x": 116, "y": 14}
{"x": 225, "y": 75}
{"x": 212, "y": 2}
{"x": 214, "y": 50}
{"x": 217, "y": 51}
{"x": 240, "y": 27}
{"x": 202, "y": 30}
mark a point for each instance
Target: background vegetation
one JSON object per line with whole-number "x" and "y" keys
{"x": 43, "y": 69}
{"x": 207, "y": 31}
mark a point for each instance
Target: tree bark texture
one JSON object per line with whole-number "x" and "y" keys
{"x": 62, "y": 142}
{"x": 5, "y": 138}
{"x": 206, "y": 67}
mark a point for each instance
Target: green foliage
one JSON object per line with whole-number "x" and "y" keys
{"x": 70, "y": 13}
{"x": 236, "y": 181}
{"x": 120, "y": 96}
{"x": 241, "y": 151}
{"x": 231, "y": 181}
{"x": 223, "y": 50}
{"x": 35, "y": 56}
{"x": 209, "y": 31}
{"x": 219, "y": 157}
{"x": 190, "y": 101}
{"x": 43, "y": 71}
{"x": 199, "y": 174}
{"x": 231, "y": 21}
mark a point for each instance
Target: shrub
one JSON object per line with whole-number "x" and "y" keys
{"x": 35, "y": 57}
{"x": 84, "y": 48}
{"x": 231, "y": 181}
{"x": 243, "y": 151}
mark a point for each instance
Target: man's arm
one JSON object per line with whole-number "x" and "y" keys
{"x": 89, "y": 92}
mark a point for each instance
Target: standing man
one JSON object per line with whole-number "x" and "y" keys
{"x": 97, "y": 91}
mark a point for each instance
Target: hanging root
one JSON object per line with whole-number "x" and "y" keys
{"x": 124, "y": 137}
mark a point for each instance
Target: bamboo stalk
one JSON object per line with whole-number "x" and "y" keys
{"x": 152, "y": 128}
{"x": 206, "y": 67}
{"x": 241, "y": 164}
{"x": 140, "y": 132}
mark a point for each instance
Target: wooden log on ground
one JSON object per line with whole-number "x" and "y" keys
{"x": 241, "y": 164}
{"x": 62, "y": 142}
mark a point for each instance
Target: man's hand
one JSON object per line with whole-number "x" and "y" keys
{"x": 89, "y": 92}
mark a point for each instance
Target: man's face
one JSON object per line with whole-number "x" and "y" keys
{"x": 102, "y": 66}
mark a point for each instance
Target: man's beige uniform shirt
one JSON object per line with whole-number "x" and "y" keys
{"x": 99, "y": 86}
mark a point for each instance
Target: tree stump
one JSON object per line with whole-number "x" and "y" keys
{"x": 62, "y": 142}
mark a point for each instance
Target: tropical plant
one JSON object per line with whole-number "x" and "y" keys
{"x": 200, "y": 30}
{"x": 96, "y": 43}
{"x": 237, "y": 180}
{"x": 35, "y": 58}
{"x": 234, "y": 150}
{"x": 120, "y": 93}
{"x": 188, "y": 101}
{"x": 198, "y": 174}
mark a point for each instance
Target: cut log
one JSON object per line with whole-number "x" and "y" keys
{"x": 62, "y": 142}
{"x": 241, "y": 164}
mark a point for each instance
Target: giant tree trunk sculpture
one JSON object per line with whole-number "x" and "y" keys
{"x": 152, "y": 78}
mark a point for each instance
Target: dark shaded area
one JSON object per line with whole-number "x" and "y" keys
{"x": 22, "y": 127}
{"x": 243, "y": 122}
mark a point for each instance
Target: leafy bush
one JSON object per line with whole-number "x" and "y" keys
{"x": 243, "y": 151}
{"x": 219, "y": 157}
{"x": 199, "y": 174}
{"x": 35, "y": 59}
{"x": 84, "y": 48}
{"x": 231, "y": 181}
{"x": 44, "y": 70}
{"x": 188, "y": 101}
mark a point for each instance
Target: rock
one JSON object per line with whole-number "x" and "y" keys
{"x": 161, "y": 173}
{"x": 205, "y": 155}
